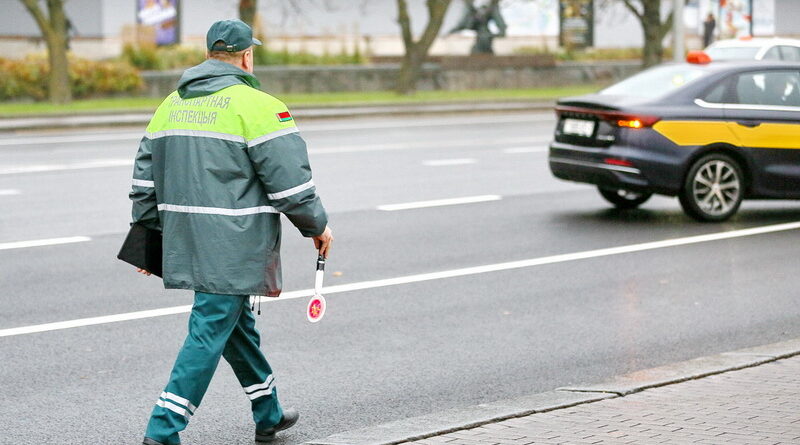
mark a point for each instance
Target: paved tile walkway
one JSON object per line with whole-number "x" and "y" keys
{"x": 759, "y": 406}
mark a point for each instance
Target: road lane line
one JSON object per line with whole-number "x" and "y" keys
{"x": 373, "y": 284}
{"x": 448, "y": 162}
{"x": 9, "y": 192}
{"x": 133, "y": 137}
{"x": 438, "y": 202}
{"x": 44, "y": 242}
{"x": 119, "y": 162}
{"x": 100, "y": 163}
{"x": 34, "y": 140}
{"x": 515, "y": 150}
{"x": 467, "y": 143}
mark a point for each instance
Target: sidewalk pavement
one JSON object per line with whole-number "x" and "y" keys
{"x": 743, "y": 397}
{"x": 111, "y": 119}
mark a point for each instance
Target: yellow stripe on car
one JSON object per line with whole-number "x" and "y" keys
{"x": 698, "y": 133}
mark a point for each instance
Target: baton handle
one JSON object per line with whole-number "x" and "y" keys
{"x": 320, "y": 275}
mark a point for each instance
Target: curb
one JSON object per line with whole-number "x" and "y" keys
{"x": 422, "y": 427}
{"x": 111, "y": 119}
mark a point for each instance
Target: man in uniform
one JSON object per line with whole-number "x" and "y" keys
{"x": 219, "y": 163}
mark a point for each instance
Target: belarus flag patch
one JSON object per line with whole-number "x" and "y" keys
{"x": 284, "y": 117}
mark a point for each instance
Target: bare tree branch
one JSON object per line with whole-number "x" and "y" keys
{"x": 666, "y": 27}
{"x": 632, "y": 8}
{"x": 405, "y": 24}
{"x": 436, "y": 12}
{"x": 33, "y": 7}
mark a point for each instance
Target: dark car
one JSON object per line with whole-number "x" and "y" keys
{"x": 711, "y": 134}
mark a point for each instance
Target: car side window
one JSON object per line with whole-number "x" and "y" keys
{"x": 717, "y": 94}
{"x": 775, "y": 88}
{"x": 772, "y": 54}
{"x": 790, "y": 53}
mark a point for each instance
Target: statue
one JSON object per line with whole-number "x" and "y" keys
{"x": 478, "y": 19}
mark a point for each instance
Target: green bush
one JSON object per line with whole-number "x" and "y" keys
{"x": 265, "y": 56}
{"x": 27, "y": 78}
{"x": 176, "y": 56}
{"x": 590, "y": 54}
{"x": 162, "y": 58}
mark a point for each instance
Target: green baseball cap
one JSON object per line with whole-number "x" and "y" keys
{"x": 231, "y": 36}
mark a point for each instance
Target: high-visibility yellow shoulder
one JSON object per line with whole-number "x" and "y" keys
{"x": 260, "y": 112}
{"x": 215, "y": 112}
{"x": 159, "y": 117}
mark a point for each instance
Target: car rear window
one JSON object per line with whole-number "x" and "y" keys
{"x": 656, "y": 81}
{"x": 778, "y": 88}
{"x": 733, "y": 53}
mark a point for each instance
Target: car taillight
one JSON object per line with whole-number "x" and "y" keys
{"x": 637, "y": 121}
{"x": 616, "y": 118}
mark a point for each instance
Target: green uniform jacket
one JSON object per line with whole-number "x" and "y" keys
{"x": 219, "y": 163}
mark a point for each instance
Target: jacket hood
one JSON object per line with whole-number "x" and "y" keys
{"x": 212, "y": 76}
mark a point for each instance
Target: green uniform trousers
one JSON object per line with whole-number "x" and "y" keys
{"x": 219, "y": 326}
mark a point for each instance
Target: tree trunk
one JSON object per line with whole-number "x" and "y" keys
{"x": 653, "y": 52}
{"x": 54, "y": 31}
{"x": 654, "y": 30}
{"x": 651, "y": 23}
{"x": 409, "y": 73}
{"x": 417, "y": 51}
{"x": 247, "y": 11}
{"x": 60, "y": 91}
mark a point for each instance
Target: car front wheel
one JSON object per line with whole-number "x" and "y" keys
{"x": 713, "y": 188}
{"x": 624, "y": 199}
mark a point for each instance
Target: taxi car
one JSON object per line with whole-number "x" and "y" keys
{"x": 711, "y": 134}
{"x": 755, "y": 48}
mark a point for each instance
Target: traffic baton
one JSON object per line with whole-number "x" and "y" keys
{"x": 316, "y": 306}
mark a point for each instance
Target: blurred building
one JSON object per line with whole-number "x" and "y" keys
{"x": 100, "y": 28}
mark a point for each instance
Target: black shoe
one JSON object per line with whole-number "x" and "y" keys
{"x": 290, "y": 416}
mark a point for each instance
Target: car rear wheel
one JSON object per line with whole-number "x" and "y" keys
{"x": 624, "y": 199}
{"x": 713, "y": 189}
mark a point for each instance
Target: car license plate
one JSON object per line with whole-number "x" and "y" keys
{"x": 578, "y": 127}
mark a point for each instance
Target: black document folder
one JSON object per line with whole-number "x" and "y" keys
{"x": 142, "y": 248}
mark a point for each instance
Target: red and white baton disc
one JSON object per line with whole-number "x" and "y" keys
{"x": 316, "y": 308}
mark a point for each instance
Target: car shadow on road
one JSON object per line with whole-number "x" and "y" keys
{"x": 648, "y": 217}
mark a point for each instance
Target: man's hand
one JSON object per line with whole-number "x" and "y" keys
{"x": 323, "y": 242}
{"x": 143, "y": 272}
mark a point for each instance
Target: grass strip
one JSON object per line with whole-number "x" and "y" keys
{"x": 146, "y": 104}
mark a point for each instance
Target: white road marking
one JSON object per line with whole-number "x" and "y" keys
{"x": 120, "y": 162}
{"x": 99, "y": 163}
{"x": 136, "y": 136}
{"x": 597, "y": 253}
{"x": 448, "y": 162}
{"x": 426, "y": 144}
{"x": 515, "y": 150}
{"x": 44, "y": 242}
{"x": 438, "y": 202}
{"x": 481, "y": 119}
{"x": 67, "y": 139}
{"x": 9, "y": 192}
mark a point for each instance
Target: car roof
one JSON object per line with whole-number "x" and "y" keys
{"x": 754, "y": 42}
{"x": 743, "y": 65}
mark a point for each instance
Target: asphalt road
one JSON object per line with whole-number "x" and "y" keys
{"x": 390, "y": 349}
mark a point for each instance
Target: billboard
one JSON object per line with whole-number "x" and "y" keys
{"x": 530, "y": 18}
{"x": 163, "y": 17}
{"x": 735, "y": 18}
{"x": 576, "y": 18}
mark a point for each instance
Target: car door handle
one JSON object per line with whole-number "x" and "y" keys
{"x": 749, "y": 123}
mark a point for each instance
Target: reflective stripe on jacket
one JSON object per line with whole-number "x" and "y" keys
{"x": 213, "y": 173}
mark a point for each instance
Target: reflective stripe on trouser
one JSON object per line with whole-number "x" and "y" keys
{"x": 219, "y": 326}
